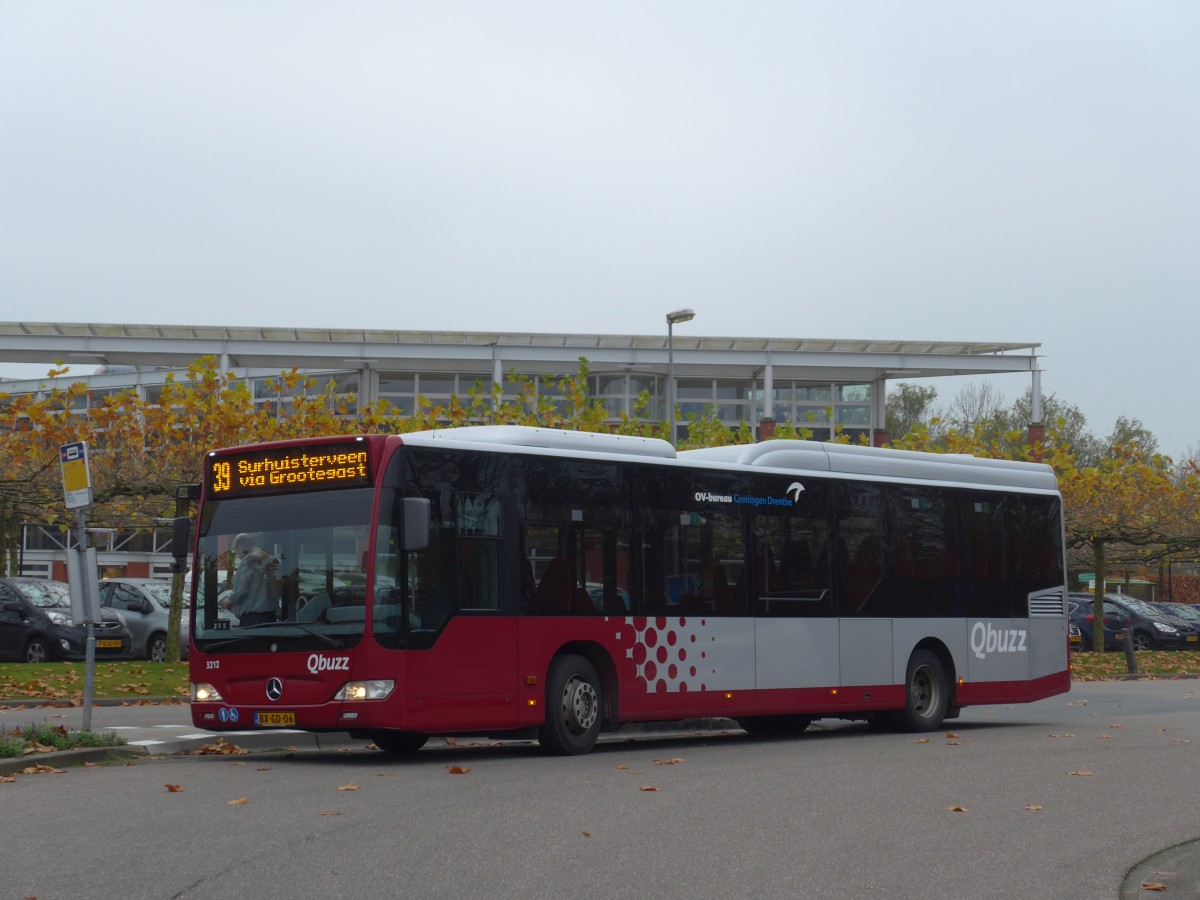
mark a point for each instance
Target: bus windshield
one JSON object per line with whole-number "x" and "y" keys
{"x": 288, "y": 569}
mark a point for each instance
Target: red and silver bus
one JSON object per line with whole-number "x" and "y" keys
{"x": 525, "y": 582}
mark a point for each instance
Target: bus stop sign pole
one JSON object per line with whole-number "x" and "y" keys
{"x": 77, "y": 491}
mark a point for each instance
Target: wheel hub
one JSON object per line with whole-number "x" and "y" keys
{"x": 581, "y": 705}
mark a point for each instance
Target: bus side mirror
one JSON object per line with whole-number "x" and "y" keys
{"x": 181, "y": 537}
{"x": 416, "y": 524}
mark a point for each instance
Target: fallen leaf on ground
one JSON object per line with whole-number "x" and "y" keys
{"x": 622, "y": 766}
{"x": 173, "y": 788}
{"x": 951, "y": 734}
{"x": 240, "y": 801}
{"x": 956, "y": 809}
{"x": 1153, "y": 886}
{"x": 220, "y": 748}
{"x": 458, "y": 770}
{"x": 349, "y": 787}
{"x": 1081, "y": 772}
{"x": 587, "y": 834}
{"x": 920, "y": 740}
{"x": 648, "y": 789}
{"x": 40, "y": 769}
{"x": 1033, "y": 808}
{"x": 330, "y": 812}
{"x": 668, "y": 762}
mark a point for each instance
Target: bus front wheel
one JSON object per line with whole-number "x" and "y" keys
{"x": 574, "y": 703}
{"x": 927, "y": 693}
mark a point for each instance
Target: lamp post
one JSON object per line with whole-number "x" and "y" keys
{"x": 673, "y": 319}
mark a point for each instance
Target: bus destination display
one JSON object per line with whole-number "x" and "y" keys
{"x": 284, "y": 469}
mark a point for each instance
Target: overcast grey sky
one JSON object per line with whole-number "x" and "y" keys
{"x": 1025, "y": 171}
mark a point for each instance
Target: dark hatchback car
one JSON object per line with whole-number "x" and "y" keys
{"x": 1152, "y": 628}
{"x": 36, "y": 625}
{"x": 1081, "y": 616}
{"x": 1185, "y": 611}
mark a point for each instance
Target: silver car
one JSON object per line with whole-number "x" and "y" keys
{"x": 146, "y": 605}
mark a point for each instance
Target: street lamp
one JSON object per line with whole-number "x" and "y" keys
{"x": 673, "y": 319}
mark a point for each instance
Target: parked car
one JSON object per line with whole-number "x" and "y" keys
{"x": 1075, "y": 636}
{"x": 1153, "y": 629}
{"x": 1183, "y": 617}
{"x": 1081, "y": 615}
{"x": 36, "y": 624}
{"x": 146, "y": 605}
{"x": 1185, "y": 611}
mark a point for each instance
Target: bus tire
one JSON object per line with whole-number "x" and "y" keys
{"x": 927, "y": 693}
{"x": 574, "y": 707}
{"x": 777, "y": 725}
{"x": 399, "y": 743}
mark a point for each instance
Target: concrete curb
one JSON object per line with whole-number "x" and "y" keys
{"x": 61, "y": 759}
{"x": 1176, "y": 869}
{"x": 107, "y": 701}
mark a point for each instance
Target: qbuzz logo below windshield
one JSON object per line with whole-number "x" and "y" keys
{"x": 987, "y": 639}
{"x": 318, "y": 663}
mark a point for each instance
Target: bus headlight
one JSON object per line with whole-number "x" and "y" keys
{"x": 205, "y": 693}
{"x": 365, "y": 690}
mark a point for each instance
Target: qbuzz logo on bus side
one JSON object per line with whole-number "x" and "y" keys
{"x": 794, "y": 490}
{"x": 318, "y": 663}
{"x": 987, "y": 639}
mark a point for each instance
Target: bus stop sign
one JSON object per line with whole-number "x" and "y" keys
{"x": 77, "y": 478}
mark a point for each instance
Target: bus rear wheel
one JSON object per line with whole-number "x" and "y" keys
{"x": 574, "y": 703}
{"x": 399, "y": 743}
{"x": 927, "y": 693}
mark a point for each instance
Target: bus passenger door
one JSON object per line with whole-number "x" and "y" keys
{"x": 462, "y": 664}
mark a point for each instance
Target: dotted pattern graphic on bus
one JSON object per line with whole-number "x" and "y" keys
{"x": 671, "y": 655}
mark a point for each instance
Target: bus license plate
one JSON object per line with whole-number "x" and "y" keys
{"x": 109, "y": 644}
{"x": 274, "y": 719}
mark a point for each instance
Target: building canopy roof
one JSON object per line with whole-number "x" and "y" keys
{"x": 176, "y": 346}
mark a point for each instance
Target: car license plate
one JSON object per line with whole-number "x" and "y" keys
{"x": 1191, "y": 637}
{"x": 274, "y": 719}
{"x": 109, "y": 644}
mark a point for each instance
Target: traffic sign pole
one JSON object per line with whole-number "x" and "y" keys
{"x": 77, "y": 492}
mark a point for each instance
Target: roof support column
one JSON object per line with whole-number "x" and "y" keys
{"x": 766, "y": 425}
{"x": 497, "y": 376}
{"x": 1035, "y": 434}
{"x": 879, "y": 432}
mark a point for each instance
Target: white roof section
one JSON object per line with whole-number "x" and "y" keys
{"x": 791, "y": 457}
{"x": 82, "y": 345}
{"x": 851, "y": 459}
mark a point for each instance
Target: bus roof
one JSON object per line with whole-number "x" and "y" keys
{"x": 785, "y": 455}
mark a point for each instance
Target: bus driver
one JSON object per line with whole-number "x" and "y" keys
{"x": 252, "y": 599}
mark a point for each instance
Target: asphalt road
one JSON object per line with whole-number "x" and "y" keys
{"x": 1058, "y": 799}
